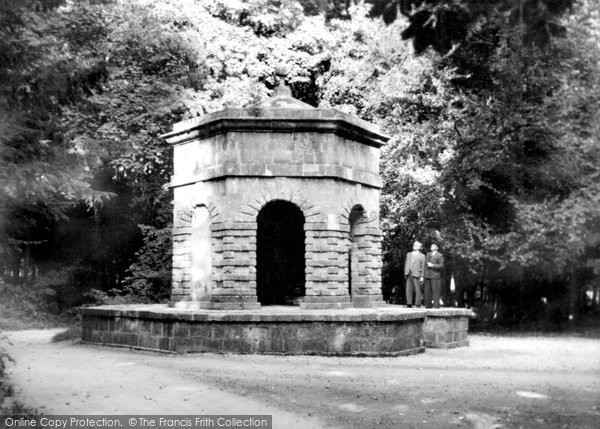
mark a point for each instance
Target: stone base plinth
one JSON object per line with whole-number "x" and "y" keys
{"x": 385, "y": 331}
{"x": 342, "y": 301}
{"x": 214, "y": 305}
{"x": 318, "y": 302}
{"x": 271, "y": 330}
{"x": 368, "y": 301}
{"x": 446, "y": 328}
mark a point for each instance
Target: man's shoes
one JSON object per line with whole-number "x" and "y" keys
{"x": 408, "y": 305}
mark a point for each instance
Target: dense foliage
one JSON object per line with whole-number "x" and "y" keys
{"x": 510, "y": 148}
{"x": 494, "y": 113}
{"x": 443, "y": 24}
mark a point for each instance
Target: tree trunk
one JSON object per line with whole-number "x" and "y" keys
{"x": 16, "y": 269}
{"x": 26, "y": 264}
{"x": 573, "y": 292}
{"x": 323, "y": 6}
{"x": 520, "y": 315}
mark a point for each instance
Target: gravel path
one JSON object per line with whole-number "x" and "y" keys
{"x": 530, "y": 382}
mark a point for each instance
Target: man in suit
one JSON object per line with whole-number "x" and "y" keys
{"x": 414, "y": 270}
{"x": 434, "y": 263}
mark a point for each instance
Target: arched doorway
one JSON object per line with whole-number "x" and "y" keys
{"x": 280, "y": 254}
{"x": 354, "y": 219}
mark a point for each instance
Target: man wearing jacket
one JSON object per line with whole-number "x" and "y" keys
{"x": 414, "y": 270}
{"x": 434, "y": 263}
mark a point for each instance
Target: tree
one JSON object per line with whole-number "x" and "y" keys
{"x": 494, "y": 131}
{"x": 43, "y": 70}
{"x": 117, "y": 75}
{"x": 489, "y": 146}
{"x": 442, "y": 24}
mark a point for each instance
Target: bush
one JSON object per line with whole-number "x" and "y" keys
{"x": 150, "y": 279}
{"x": 264, "y": 17}
{"x": 27, "y": 306}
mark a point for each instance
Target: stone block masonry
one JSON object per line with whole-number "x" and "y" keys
{"x": 276, "y": 244}
{"x": 233, "y": 276}
{"x": 390, "y": 331}
{"x": 234, "y": 164}
{"x": 445, "y": 328}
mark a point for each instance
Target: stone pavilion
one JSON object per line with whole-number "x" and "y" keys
{"x": 276, "y": 204}
{"x": 276, "y": 244}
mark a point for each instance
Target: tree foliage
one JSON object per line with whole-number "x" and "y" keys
{"x": 493, "y": 116}
{"x": 443, "y": 24}
{"x": 492, "y": 153}
{"x": 149, "y": 276}
{"x": 47, "y": 66}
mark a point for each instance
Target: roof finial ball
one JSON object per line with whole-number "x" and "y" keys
{"x": 282, "y": 88}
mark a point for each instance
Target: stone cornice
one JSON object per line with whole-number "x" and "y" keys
{"x": 276, "y": 120}
{"x": 320, "y": 171}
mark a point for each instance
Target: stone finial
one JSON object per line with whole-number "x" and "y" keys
{"x": 282, "y": 98}
{"x": 282, "y": 89}
{"x": 281, "y": 71}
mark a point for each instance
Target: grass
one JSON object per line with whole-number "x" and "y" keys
{"x": 19, "y": 322}
{"x": 9, "y": 404}
{"x": 73, "y": 333}
{"x": 21, "y": 308}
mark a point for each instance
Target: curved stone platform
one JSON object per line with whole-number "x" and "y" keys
{"x": 384, "y": 331}
{"x": 446, "y": 328}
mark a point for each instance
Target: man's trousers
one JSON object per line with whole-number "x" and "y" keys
{"x": 432, "y": 291}
{"x": 413, "y": 288}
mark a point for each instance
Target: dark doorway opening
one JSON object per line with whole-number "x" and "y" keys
{"x": 280, "y": 254}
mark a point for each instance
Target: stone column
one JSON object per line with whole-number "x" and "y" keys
{"x": 366, "y": 280}
{"x": 326, "y": 266}
{"x": 182, "y": 258}
{"x": 234, "y": 266}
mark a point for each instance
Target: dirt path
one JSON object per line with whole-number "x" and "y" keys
{"x": 67, "y": 378}
{"x": 497, "y": 382}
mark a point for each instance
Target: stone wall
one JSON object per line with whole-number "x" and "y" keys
{"x": 315, "y": 333}
{"x": 182, "y": 264}
{"x": 234, "y": 204}
{"x": 253, "y": 154}
{"x": 391, "y": 330}
{"x": 234, "y": 266}
{"x": 323, "y": 161}
{"x": 365, "y": 252}
{"x": 445, "y": 329}
{"x": 326, "y": 266}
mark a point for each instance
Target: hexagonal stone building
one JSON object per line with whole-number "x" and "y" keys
{"x": 276, "y": 220}
{"x": 276, "y": 204}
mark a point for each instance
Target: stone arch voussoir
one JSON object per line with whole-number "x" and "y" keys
{"x": 269, "y": 194}
{"x": 369, "y": 214}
